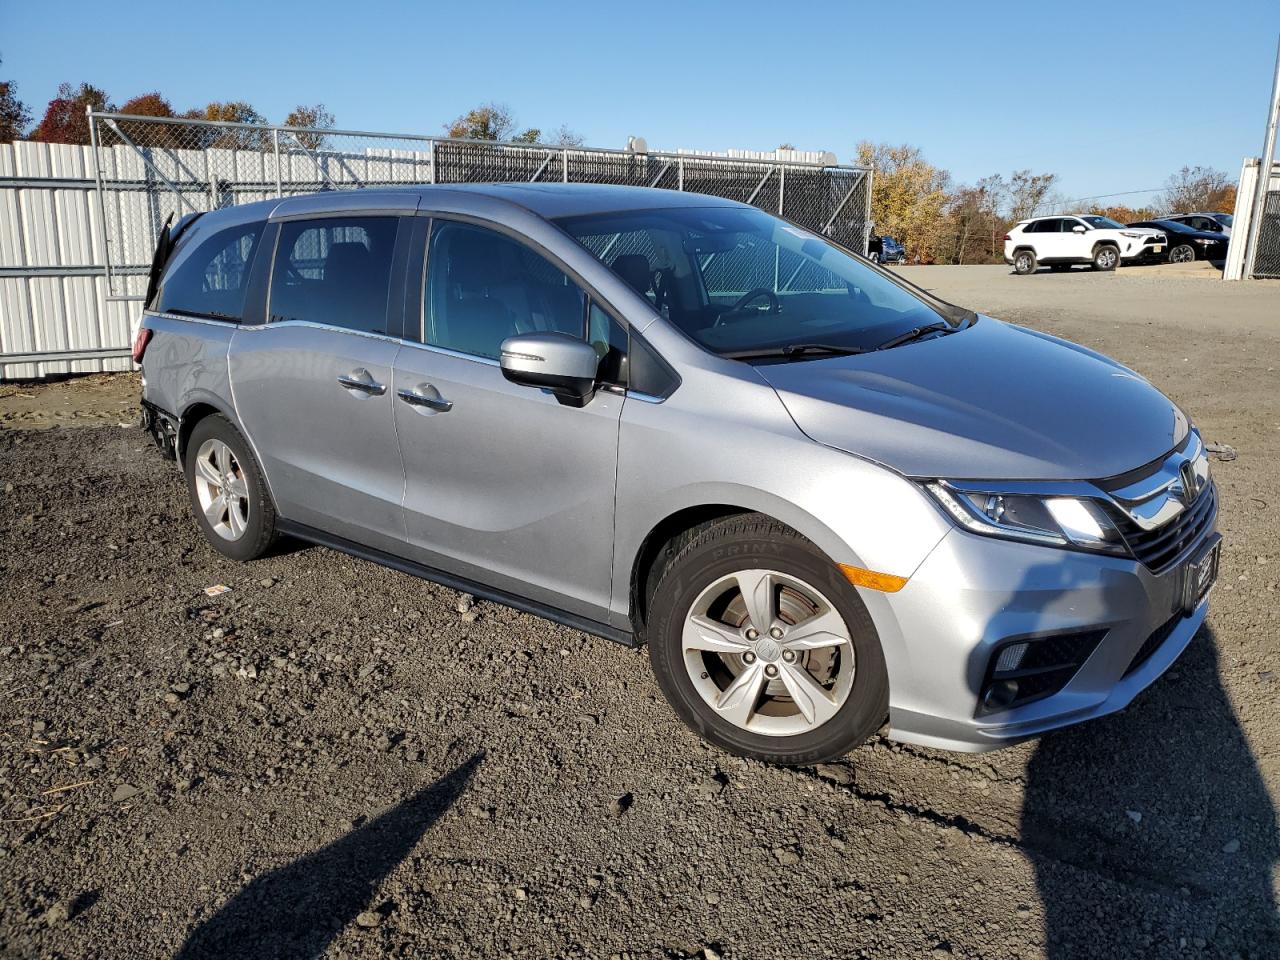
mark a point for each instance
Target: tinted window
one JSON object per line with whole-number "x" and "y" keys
{"x": 334, "y": 271}
{"x": 1069, "y": 224}
{"x": 739, "y": 280}
{"x": 610, "y": 341}
{"x": 209, "y": 280}
{"x": 483, "y": 287}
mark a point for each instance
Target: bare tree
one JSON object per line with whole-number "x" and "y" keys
{"x": 1027, "y": 192}
{"x": 1198, "y": 188}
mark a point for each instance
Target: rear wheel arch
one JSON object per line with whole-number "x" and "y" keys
{"x": 187, "y": 421}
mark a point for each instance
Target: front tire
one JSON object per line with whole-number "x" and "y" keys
{"x": 228, "y": 493}
{"x": 1106, "y": 258}
{"x": 763, "y": 648}
{"x": 1182, "y": 253}
{"x": 1024, "y": 262}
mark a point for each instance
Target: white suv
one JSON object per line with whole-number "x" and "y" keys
{"x": 1059, "y": 242}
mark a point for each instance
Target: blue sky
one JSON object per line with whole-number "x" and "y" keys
{"x": 1112, "y": 97}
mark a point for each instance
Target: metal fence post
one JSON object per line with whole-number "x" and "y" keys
{"x": 275, "y": 142}
{"x": 431, "y": 149}
{"x": 680, "y": 175}
{"x": 782, "y": 187}
{"x": 96, "y": 149}
{"x": 1264, "y": 172}
{"x": 564, "y": 165}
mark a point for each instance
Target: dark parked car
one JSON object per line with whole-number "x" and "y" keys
{"x": 886, "y": 250}
{"x": 1187, "y": 243}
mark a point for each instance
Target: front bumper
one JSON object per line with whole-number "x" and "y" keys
{"x": 973, "y": 592}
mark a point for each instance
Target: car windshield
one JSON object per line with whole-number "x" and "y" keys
{"x": 739, "y": 280}
{"x": 1103, "y": 223}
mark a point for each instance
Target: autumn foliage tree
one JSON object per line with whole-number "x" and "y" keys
{"x": 496, "y": 122}
{"x": 314, "y": 118}
{"x": 908, "y": 196}
{"x": 65, "y": 119}
{"x": 14, "y": 115}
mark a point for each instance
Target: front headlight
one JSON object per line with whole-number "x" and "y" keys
{"x": 1054, "y": 521}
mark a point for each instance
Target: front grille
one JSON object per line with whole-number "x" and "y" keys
{"x": 1160, "y": 548}
{"x": 1154, "y": 643}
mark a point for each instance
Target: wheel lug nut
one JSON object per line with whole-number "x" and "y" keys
{"x": 752, "y": 634}
{"x": 776, "y": 633}
{"x": 770, "y": 671}
{"x": 749, "y": 657}
{"x": 788, "y": 655}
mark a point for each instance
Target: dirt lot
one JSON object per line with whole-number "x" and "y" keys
{"x": 335, "y": 759}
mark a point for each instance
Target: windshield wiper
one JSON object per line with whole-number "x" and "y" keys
{"x": 915, "y": 333}
{"x": 795, "y": 350}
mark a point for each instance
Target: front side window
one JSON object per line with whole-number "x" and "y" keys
{"x": 739, "y": 280}
{"x": 483, "y": 287}
{"x": 335, "y": 271}
{"x": 210, "y": 279}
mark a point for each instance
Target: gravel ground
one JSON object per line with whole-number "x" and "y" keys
{"x": 335, "y": 759}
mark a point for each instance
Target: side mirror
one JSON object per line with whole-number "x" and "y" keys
{"x": 1077, "y": 229}
{"x": 557, "y": 362}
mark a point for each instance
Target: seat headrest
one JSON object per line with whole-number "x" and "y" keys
{"x": 346, "y": 262}
{"x": 473, "y": 261}
{"x": 633, "y": 268}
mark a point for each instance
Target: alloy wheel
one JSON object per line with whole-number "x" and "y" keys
{"x": 221, "y": 489}
{"x": 768, "y": 653}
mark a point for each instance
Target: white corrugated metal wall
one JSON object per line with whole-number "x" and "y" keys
{"x": 52, "y": 289}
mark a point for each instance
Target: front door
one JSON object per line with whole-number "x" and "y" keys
{"x": 504, "y": 483}
{"x": 313, "y": 385}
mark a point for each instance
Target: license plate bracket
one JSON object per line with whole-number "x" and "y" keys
{"x": 1200, "y": 573}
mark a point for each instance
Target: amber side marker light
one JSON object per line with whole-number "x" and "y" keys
{"x": 885, "y": 582}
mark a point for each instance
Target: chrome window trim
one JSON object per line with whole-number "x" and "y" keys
{"x": 329, "y": 327}
{"x": 214, "y": 321}
{"x": 446, "y": 352}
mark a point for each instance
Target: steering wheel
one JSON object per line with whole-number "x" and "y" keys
{"x": 740, "y": 304}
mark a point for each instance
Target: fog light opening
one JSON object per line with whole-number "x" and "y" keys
{"x": 1000, "y": 694}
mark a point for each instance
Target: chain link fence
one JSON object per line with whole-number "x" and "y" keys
{"x": 1266, "y": 262}
{"x": 151, "y": 168}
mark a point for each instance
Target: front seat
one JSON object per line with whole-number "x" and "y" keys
{"x": 476, "y": 321}
{"x": 633, "y": 268}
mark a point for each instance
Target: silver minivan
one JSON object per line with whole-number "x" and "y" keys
{"x": 824, "y": 499}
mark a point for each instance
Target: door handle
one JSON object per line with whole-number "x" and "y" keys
{"x": 415, "y": 399}
{"x": 370, "y": 386}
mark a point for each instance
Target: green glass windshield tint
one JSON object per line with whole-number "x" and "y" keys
{"x": 738, "y": 279}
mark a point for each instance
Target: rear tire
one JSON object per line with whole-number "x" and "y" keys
{"x": 812, "y": 684}
{"x": 1182, "y": 253}
{"x": 228, "y": 492}
{"x": 1024, "y": 262}
{"x": 1106, "y": 257}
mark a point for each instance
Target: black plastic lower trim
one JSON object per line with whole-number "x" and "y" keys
{"x": 483, "y": 591}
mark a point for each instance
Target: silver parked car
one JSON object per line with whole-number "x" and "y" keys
{"x": 823, "y": 498}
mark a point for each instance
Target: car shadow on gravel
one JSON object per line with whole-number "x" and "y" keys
{"x": 1152, "y": 832}
{"x": 299, "y": 909}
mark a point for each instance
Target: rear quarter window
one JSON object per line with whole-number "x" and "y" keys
{"x": 210, "y": 278}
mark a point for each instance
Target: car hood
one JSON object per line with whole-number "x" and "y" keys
{"x": 990, "y": 402}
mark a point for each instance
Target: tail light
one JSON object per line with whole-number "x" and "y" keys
{"x": 140, "y": 341}
{"x": 1008, "y": 236}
